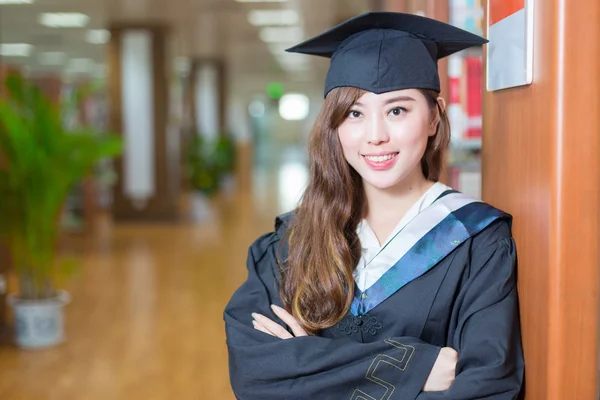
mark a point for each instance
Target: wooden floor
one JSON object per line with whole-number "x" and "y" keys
{"x": 145, "y": 320}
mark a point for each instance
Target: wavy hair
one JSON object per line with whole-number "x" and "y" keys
{"x": 317, "y": 284}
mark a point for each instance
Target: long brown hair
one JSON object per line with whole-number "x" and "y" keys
{"x": 317, "y": 284}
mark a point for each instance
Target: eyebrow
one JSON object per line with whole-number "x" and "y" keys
{"x": 391, "y": 100}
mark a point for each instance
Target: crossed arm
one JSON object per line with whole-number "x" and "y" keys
{"x": 442, "y": 374}
{"x": 268, "y": 362}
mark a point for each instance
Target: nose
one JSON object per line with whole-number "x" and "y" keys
{"x": 378, "y": 133}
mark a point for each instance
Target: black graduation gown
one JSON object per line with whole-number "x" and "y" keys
{"x": 468, "y": 301}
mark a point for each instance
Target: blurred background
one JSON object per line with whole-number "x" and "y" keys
{"x": 194, "y": 125}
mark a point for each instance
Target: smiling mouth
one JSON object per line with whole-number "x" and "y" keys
{"x": 379, "y": 159}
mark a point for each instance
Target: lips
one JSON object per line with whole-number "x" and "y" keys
{"x": 381, "y": 161}
{"x": 380, "y": 157}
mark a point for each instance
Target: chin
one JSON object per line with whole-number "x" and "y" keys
{"x": 383, "y": 180}
{"x": 381, "y": 184}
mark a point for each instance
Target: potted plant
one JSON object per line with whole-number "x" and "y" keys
{"x": 41, "y": 162}
{"x": 225, "y": 159}
{"x": 202, "y": 169}
{"x": 210, "y": 162}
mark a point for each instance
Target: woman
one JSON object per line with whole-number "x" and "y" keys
{"x": 384, "y": 283}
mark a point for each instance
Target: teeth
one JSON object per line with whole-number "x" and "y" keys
{"x": 381, "y": 158}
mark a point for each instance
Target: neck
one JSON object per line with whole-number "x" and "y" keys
{"x": 386, "y": 207}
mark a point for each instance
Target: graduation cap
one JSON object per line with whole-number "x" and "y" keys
{"x": 385, "y": 51}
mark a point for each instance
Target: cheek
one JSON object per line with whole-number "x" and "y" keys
{"x": 349, "y": 138}
{"x": 412, "y": 133}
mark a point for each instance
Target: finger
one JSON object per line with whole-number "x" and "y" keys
{"x": 261, "y": 328}
{"x": 258, "y": 326}
{"x": 272, "y": 326}
{"x": 289, "y": 320}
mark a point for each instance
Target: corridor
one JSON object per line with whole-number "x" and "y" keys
{"x": 145, "y": 320}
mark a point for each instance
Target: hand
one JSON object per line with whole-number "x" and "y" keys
{"x": 443, "y": 372}
{"x": 272, "y": 328}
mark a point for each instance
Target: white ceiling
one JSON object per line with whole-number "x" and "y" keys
{"x": 198, "y": 28}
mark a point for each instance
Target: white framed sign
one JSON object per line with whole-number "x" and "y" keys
{"x": 510, "y": 47}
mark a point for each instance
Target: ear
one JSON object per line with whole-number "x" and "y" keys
{"x": 441, "y": 106}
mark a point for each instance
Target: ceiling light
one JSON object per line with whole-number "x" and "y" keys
{"x": 273, "y": 34}
{"x": 52, "y": 58}
{"x": 97, "y": 36}
{"x": 64, "y": 20}
{"x": 273, "y": 17}
{"x": 15, "y": 49}
{"x": 294, "y": 107}
{"x": 16, "y": 1}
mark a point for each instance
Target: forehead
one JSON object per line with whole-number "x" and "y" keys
{"x": 404, "y": 94}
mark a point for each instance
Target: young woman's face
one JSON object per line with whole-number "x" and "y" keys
{"x": 384, "y": 136}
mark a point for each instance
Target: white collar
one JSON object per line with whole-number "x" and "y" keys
{"x": 368, "y": 238}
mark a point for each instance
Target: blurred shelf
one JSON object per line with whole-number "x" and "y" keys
{"x": 465, "y": 164}
{"x": 465, "y": 144}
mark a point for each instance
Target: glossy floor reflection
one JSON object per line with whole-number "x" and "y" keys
{"x": 145, "y": 321}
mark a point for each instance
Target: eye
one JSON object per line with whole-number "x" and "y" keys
{"x": 354, "y": 114}
{"x": 398, "y": 111}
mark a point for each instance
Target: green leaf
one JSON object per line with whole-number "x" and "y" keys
{"x": 44, "y": 162}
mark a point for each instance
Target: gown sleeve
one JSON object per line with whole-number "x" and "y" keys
{"x": 487, "y": 336}
{"x": 263, "y": 367}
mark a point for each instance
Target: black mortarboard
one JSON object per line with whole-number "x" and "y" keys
{"x": 384, "y": 51}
